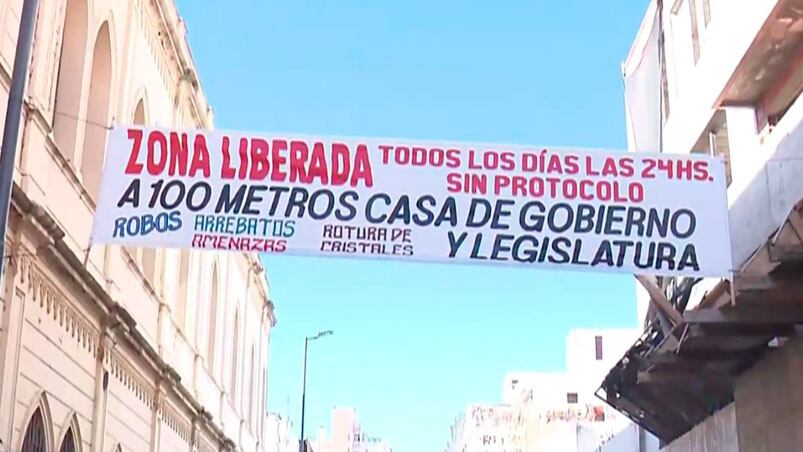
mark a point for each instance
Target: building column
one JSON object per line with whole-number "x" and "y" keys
{"x": 194, "y": 434}
{"x": 164, "y": 327}
{"x": 16, "y": 291}
{"x": 102, "y": 377}
{"x": 197, "y": 368}
{"x": 10, "y": 340}
{"x": 156, "y": 421}
{"x": 221, "y": 409}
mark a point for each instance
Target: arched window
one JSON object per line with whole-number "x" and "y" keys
{"x": 181, "y": 296}
{"x": 71, "y": 73}
{"x": 139, "y": 113}
{"x": 35, "y": 439}
{"x": 68, "y": 443}
{"x": 147, "y": 255}
{"x": 211, "y": 339}
{"x": 97, "y": 112}
{"x": 234, "y": 355}
{"x": 149, "y": 265}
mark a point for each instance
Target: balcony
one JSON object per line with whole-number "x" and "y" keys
{"x": 682, "y": 371}
{"x": 770, "y": 75}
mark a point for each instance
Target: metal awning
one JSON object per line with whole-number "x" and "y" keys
{"x": 671, "y": 379}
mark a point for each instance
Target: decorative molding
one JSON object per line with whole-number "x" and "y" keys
{"x": 55, "y": 305}
{"x": 155, "y": 34}
{"x": 176, "y": 422}
{"x": 131, "y": 379}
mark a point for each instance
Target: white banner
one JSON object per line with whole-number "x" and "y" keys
{"x": 417, "y": 201}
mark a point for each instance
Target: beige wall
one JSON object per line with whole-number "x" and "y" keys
{"x": 139, "y": 319}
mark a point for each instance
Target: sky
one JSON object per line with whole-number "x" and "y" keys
{"x": 413, "y": 344}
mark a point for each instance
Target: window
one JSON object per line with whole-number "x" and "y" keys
{"x": 571, "y": 397}
{"x": 139, "y": 113}
{"x": 234, "y": 356}
{"x": 662, "y": 63}
{"x": 68, "y": 443}
{"x": 35, "y": 440}
{"x": 97, "y": 113}
{"x": 149, "y": 265}
{"x": 695, "y": 33}
{"x": 719, "y": 146}
{"x": 598, "y": 347}
{"x": 181, "y": 299}
{"x": 67, "y": 107}
{"x": 147, "y": 256}
{"x": 599, "y": 414}
{"x": 212, "y": 338}
{"x": 715, "y": 142}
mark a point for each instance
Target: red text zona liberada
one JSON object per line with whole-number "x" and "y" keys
{"x": 278, "y": 160}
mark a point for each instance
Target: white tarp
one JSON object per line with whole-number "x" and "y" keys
{"x": 416, "y": 201}
{"x": 642, "y": 79}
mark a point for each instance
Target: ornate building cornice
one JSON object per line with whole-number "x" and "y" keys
{"x": 114, "y": 338}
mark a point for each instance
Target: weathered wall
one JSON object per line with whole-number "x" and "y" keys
{"x": 716, "y": 434}
{"x": 769, "y": 402}
{"x": 767, "y": 414}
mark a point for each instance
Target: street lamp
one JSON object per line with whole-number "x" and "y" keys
{"x": 302, "y": 447}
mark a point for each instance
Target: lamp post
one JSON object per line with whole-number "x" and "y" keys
{"x": 302, "y": 447}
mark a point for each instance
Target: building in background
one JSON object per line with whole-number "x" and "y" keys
{"x": 485, "y": 428}
{"x": 348, "y": 435}
{"x": 278, "y": 435}
{"x": 550, "y": 410}
{"x": 106, "y": 348}
{"x": 721, "y": 370}
{"x": 456, "y": 442}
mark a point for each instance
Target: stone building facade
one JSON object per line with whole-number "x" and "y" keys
{"x": 104, "y": 348}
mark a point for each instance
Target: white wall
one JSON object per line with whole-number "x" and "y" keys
{"x": 765, "y": 165}
{"x": 631, "y": 439}
{"x": 581, "y": 358}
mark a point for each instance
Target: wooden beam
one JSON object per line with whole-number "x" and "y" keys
{"x": 702, "y": 358}
{"x": 752, "y": 289}
{"x": 722, "y": 356}
{"x": 785, "y": 253}
{"x": 659, "y": 299}
{"x": 740, "y": 331}
{"x": 662, "y": 408}
{"x": 777, "y": 314}
{"x": 752, "y": 282}
{"x": 674, "y": 375}
{"x": 710, "y": 299}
